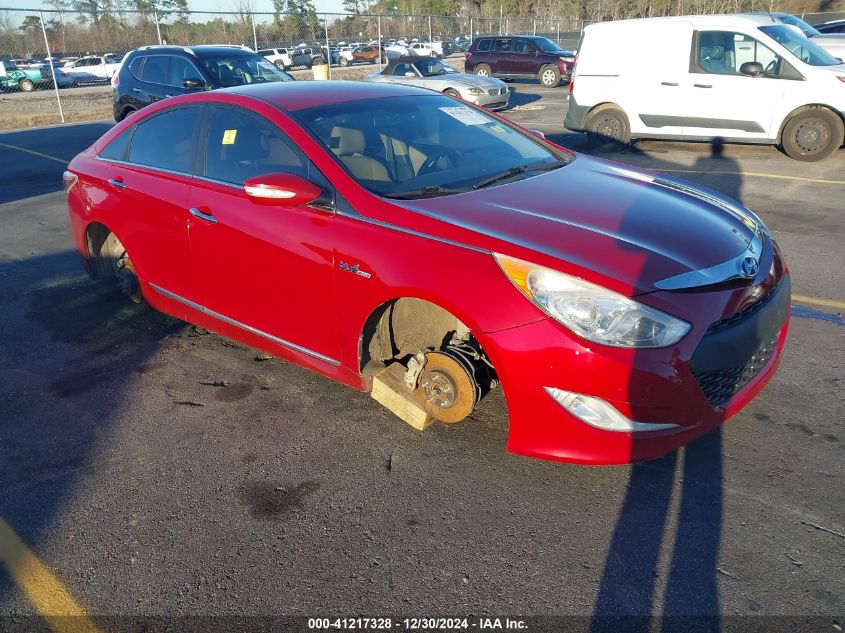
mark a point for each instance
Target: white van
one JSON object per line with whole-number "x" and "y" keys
{"x": 745, "y": 79}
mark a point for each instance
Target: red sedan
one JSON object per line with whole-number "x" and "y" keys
{"x": 380, "y": 228}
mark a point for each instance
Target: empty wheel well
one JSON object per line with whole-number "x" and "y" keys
{"x": 808, "y": 108}
{"x": 400, "y": 328}
{"x": 95, "y": 237}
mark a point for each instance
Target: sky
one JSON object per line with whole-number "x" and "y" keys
{"x": 324, "y": 6}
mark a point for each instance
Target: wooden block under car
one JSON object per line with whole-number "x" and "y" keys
{"x": 389, "y": 390}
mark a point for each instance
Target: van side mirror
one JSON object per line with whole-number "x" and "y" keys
{"x": 752, "y": 69}
{"x": 193, "y": 83}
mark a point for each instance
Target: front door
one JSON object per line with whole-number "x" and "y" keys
{"x": 267, "y": 268}
{"x": 725, "y": 103}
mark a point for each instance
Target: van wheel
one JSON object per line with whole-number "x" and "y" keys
{"x": 549, "y": 76}
{"x": 812, "y": 135}
{"x": 607, "y": 127}
{"x": 280, "y": 64}
{"x": 483, "y": 70}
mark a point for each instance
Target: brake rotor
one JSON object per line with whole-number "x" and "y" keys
{"x": 446, "y": 388}
{"x": 127, "y": 280}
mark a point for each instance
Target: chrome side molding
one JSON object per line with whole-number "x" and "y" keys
{"x": 244, "y": 326}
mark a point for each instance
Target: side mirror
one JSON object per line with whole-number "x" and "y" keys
{"x": 193, "y": 83}
{"x": 752, "y": 69}
{"x": 280, "y": 189}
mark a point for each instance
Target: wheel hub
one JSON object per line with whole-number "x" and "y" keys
{"x": 811, "y": 135}
{"x": 447, "y": 388}
{"x": 439, "y": 389}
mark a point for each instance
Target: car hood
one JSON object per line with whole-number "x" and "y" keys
{"x": 470, "y": 81}
{"x": 631, "y": 226}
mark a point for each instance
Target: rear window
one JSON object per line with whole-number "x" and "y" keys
{"x": 483, "y": 45}
{"x": 116, "y": 150}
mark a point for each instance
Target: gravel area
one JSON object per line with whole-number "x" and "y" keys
{"x": 93, "y": 103}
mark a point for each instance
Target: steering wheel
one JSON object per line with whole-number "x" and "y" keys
{"x": 430, "y": 163}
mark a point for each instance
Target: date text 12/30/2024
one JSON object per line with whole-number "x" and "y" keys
{"x": 417, "y": 624}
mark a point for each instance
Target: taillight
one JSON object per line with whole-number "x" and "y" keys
{"x": 69, "y": 180}
{"x": 467, "y": 55}
{"x": 115, "y": 80}
{"x": 841, "y": 78}
{"x": 571, "y": 87}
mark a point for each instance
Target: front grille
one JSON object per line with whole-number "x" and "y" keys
{"x": 721, "y": 385}
{"x": 747, "y": 311}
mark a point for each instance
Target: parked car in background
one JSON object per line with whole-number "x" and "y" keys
{"x": 366, "y": 55}
{"x": 13, "y": 78}
{"x": 520, "y": 57}
{"x": 63, "y": 79}
{"x": 93, "y": 68}
{"x": 281, "y": 57}
{"x": 623, "y": 314}
{"x": 152, "y": 73}
{"x": 833, "y": 43}
{"x": 308, "y": 56}
{"x": 422, "y": 49}
{"x": 834, "y": 26}
{"x": 737, "y": 78}
{"x": 434, "y": 74}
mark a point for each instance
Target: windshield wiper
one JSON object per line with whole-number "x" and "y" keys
{"x": 426, "y": 192}
{"x": 515, "y": 171}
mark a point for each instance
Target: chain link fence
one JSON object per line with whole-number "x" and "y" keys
{"x": 57, "y": 65}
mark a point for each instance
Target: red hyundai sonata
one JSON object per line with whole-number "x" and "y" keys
{"x": 357, "y": 228}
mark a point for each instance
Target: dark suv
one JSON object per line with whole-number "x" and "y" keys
{"x": 157, "y": 72}
{"x": 520, "y": 57}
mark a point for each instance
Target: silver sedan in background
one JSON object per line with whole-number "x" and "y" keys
{"x": 434, "y": 74}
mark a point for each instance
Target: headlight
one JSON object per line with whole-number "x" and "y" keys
{"x": 593, "y": 312}
{"x": 477, "y": 91}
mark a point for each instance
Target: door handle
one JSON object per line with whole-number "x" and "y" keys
{"x": 703, "y": 85}
{"x": 202, "y": 216}
{"x": 117, "y": 182}
{"x": 668, "y": 83}
{"x": 138, "y": 90}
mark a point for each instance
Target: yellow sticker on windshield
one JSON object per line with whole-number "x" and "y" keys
{"x": 497, "y": 128}
{"x": 229, "y": 137}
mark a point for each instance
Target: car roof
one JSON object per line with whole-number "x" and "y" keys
{"x": 404, "y": 59}
{"x": 297, "y": 95}
{"x": 745, "y": 19}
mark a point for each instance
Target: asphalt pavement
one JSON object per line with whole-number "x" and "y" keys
{"x": 156, "y": 469}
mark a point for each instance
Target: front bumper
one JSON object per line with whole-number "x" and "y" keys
{"x": 489, "y": 101}
{"x": 655, "y": 385}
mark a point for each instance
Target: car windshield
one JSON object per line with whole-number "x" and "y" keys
{"x": 806, "y": 29}
{"x": 237, "y": 70}
{"x": 433, "y": 67}
{"x": 420, "y": 146}
{"x": 800, "y": 46}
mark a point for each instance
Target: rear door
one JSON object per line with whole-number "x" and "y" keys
{"x": 268, "y": 268}
{"x": 503, "y": 59}
{"x": 154, "y": 77}
{"x": 145, "y": 190}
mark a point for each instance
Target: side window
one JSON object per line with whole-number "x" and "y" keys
{"x": 484, "y": 45}
{"x": 242, "y": 145}
{"x": 116, "y": 150}
{"x": 135, "y": 67}
{"x": 503, "y": 45}
{"x": 166, "y": 140}
{"x": 180, "y": 70}
{"x": 155, "y": 70}
{"x": 724, "y": 53}
{"x": 265, "y": 53}
{"x": 401, "y": 69}
{"x": 522, "y": 46}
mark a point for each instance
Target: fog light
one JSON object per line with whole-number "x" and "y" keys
{"x": 601, "y": 414}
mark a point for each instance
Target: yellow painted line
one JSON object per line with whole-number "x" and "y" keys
{"x": 45, "y": 592}
{"x": 34, "y": 153}
{"x": 818, "y": 181}
{"x": 830, "y": 303}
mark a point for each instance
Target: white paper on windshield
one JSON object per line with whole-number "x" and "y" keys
{"x": 465, "y": 115}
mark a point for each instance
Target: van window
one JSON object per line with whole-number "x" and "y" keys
{"x": 806, "y": 50}
{"x": 724, "y": 52}
{"x": 483, "y": 45}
